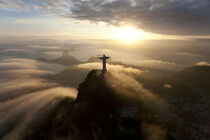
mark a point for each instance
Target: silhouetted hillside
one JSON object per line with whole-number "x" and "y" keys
{"x": 188, "y": 92}
{"x": 65, "y": 59}
{"x": 71, "y": 76}
{"x": 100, "y": 113}
{"x": 198, "y": 76}
{"x": 187, "y": 82}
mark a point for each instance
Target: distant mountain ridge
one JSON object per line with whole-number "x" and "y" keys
{"x": 65, "y": 59}
{"x": 197, "y": 75}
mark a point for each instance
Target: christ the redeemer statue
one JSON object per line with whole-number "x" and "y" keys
{"x": 104, "y": 58}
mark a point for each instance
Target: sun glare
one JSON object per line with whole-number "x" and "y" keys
{"x": 129, "y": 34}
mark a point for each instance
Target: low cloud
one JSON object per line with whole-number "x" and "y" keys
{"x": 110, "y": 68}
{"x": 23, "y": 67}
{"x": 189, "y": 54}
{"x": 160, "y": 64}
{"x": 13, "y": 88}
{"x": 127, "y": 86}
{"x": 18, "y": 75}
{"x": 167, "y": 86}
{"x": 20, "y": 112}
{"x": 25, "y": 95}
{"x": 203, "y": 64}
{"x": 126, "y": 82}
{"x": 52, "y": 54}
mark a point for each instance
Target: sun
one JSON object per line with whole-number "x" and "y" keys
{"x": 129, "y": 34}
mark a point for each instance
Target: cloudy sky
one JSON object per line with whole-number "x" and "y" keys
{"x": 79, "y": 17}
{"x": 147, "y": 32}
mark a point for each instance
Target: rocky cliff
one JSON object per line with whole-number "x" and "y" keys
{"x": 99, "y": 113}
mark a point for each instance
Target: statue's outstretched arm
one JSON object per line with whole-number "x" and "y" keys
{"x": 100, "y": 57}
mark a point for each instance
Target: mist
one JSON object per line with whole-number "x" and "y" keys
{"x": 26, "y": 99}
{"x": 169, "y": 54}
{"x": 29, "y": 109}
{"x": 129, "y": 86}
{"x": 115, "y": 68}
{"x": 28, "y": 95}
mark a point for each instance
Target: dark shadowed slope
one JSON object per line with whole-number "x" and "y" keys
{"x": 189, "y": 93}
{"x": 71, "y": 76}
{"x": 198, "y": 76}
{"x": 100, "y": 113}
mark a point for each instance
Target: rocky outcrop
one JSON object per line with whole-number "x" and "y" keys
{"x": 100, "y": 113}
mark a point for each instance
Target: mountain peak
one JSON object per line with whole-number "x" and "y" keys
{"x": 65, "y": 59}
{"x": 101, "y": 113}
{"x": 65, "y": 53}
